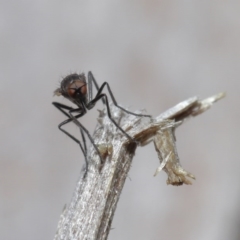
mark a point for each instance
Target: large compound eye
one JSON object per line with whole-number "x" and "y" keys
{"x": 75, "y": 86}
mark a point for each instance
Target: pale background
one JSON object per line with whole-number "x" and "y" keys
{"x": 154, "y": 54}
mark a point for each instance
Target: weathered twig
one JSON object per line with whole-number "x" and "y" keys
{"x": 90, "y": 213}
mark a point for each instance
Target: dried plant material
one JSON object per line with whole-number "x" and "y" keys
{"x": 207, "y": 103}
{"x": 165, "y": 146}
{"x": 105, "y": 149}
{"x": 90, "y": 212}
{"x": 163, "y": 164}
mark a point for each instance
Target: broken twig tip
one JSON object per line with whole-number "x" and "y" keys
{"x": 205, "y": 104}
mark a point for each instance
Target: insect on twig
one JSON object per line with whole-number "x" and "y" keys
{"x": 75, "y": 88}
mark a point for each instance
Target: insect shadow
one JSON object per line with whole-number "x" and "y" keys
{"x": 75, "y": 88}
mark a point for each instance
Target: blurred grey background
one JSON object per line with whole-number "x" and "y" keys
{"x": 154, "y": 54}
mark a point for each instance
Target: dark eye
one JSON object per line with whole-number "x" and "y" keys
{"x": 71, "y": 92}
{"x": 84, "y": 89}
{"x": 77, "y": 87}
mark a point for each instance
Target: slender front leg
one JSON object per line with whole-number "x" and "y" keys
{"x": 86, "y": 131}
{"x": 91, "y": 79}
{"x": 84, "y": 150}
{"x": 62, "y": 107}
